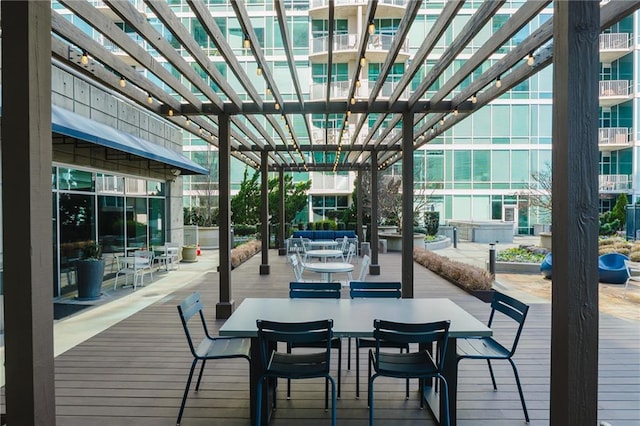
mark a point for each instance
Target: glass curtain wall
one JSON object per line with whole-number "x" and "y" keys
{"x": 119, "y": 213}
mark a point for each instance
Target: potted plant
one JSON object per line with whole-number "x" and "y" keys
{"x": 90, "y": 270}
{"x": 189, "y": 253}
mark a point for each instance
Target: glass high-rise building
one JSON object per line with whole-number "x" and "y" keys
{"x": 486, "y": 166}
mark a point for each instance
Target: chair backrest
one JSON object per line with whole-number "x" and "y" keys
{"x": 362, "y": 275}
{"x": 397, "y": 333}
{"x": 294, "y": 334}
{"x": 512, "y": 308}
{"x": 299, "y": 290}
{"x": 144, "y": 258}
{"x": 350, "y": 252}
{"x": 189, "y": 307}
{"x": 375, "y": 289}
{"x": 632, "y": 267}
{"x": 295, "y": 266}
{"x": 345, "y": 244}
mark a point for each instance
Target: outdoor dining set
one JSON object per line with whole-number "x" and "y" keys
{"x": 407, "y": 338}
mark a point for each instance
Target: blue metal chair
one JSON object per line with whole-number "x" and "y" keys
{"x": 611, "y": 268}
{"x": 421, "y": 364}
{"x": 546, "y": 266}
{"x": 490, "y": 349}
{"x": 318, "y": 290}
{"x": 360, "y": 289}
{"x": 296, "y": 366}
{"x": 209, "y": 347}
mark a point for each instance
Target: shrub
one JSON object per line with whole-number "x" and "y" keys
{"x": 242, "y": 230}
{"x": 432, "y": 222}
{"x": 520, "y": 254}
{"x": 634, "y": 256}
{"x": 244, "y": 252}
{"x": 468, "y": 276}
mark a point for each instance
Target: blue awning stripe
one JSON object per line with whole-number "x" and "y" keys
{"x": 77, "y": 126}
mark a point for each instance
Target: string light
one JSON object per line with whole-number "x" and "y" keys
{"x": 277, "y": 106}
{"x": 170, "y": 113}
{"x": 187, "y": 121}
{"x": 84, "y": 59}
{"x": 149, "y": 98}
{"x": 268, "y": 91}
{"x": 474, "y": 98}
{"x": 123, "y": 82}
{"x": 455, "y": 111}
{"x": 363, "y": 61}
{"x": 358, "y": 84}
{"x": 259, "y": 71}
{"x": 372, "y": 28}
{"x": 498, "y": 82}
{"x": 246, "y": 43}
{"x": 442, "y": 121}
{"x": 530, "y": 59}
{"x": 353, "y": 101}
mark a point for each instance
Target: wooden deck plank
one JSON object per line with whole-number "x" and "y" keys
{"x": 134, "y": 372}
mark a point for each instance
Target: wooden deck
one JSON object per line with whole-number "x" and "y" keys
{"x": 133, "y": 374}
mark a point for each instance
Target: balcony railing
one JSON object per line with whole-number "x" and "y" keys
{"x": 613, "y": 136}
{"x": 614, "y": 41}
{"x": 339, "y": 89}
{"x": 340, "y": 42}
{"x": 615, "y": 183}
{"x": 615, "y": 88}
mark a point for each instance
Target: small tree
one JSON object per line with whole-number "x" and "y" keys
{"x": 245, "y": 205}
{"x": 619, "y": 210}
{"x": 538, "y": 191}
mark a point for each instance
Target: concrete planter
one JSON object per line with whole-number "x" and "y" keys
{"x": 545, "y": 240}
{"x": 394, "y": 241}
{"x": 189, "y": 254}
{"x": 90, "y": 275}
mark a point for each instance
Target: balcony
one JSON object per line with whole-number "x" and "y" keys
{"x": 614, "y": 183}
{"x": 613, "y": 138}
{"x": 339, "y": 89}
{"x": 345, "y": 48}
{"x": 318, "y": 9}
{"x": 614, "y": 92}
{"x": 613, "y": 46}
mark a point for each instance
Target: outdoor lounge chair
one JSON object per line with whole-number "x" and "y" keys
{"x": 488, "y": 348}
{"x": 210, "y": 347}
{"x": 295, "y": 366}
{"x": 611, "y": 268}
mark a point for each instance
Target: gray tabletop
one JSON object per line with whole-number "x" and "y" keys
{"x": 352, "y": 317}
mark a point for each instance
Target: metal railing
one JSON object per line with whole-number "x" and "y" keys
{"x": 614, "y": 88}
{"x": 614, "y": 182}
{"x": 615, "y": 41}
{"x": 613, "y": 136}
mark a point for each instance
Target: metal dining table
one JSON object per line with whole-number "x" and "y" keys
{"x": 323, "y": 253}
{"x": 354, "y": 318}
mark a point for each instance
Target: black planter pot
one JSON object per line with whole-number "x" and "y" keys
{"x": 90, "y": 275}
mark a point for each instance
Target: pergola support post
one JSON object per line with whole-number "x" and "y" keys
{"x": 574, "y": 317}
{"x": 26, "y": 165}
{"x": 407, "y": 205}
{"x": 374, "y": 268}
{"x": 264, "y": 213}
{"x": 225, "y": 306}
{"x": 282, "y": 249}
{"x": 359, "y": 206}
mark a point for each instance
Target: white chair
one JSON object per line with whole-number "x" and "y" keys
{"x": 143, "y": 264}
{"x": 124, "y": 267}
{"x": 170, "y": 256}
{"x": 350, "y": 253}
{"x": 362, "y": 275}
{"x": 633, "y": 274}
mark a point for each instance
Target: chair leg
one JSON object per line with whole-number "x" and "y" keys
{"x": 349, "y": 356}
{"x": 524, "y": 406}
{"x": 333, "y": 401}
{"x": 200, "y": 375}
{"x": 186, "y": 391}
{"x": 493, "y": 378}
{"x": 370, "y": 399}
{"x": 259, "y": 401}
{"x": 339, "y": 367}
{"x": 444, "y": 417}
{"x": 358, "y": 369}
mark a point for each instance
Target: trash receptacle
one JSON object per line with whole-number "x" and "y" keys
{"x": 382, "y": 246}
{"x": 365, "y": 248}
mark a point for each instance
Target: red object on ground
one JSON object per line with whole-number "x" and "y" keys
{"x": 198, "y": 252}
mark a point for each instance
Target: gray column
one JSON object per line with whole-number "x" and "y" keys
{"x": 282, "y": 250}
{"x": 264, "y": 213}
{"x": 374, "y": 269}
{"x": 225, "y": 306}
{"x": 26, "y": 222}
{"x": 359, "y": 207}
{"x": 574, "y": 319}
{"x": 407, "y": 205}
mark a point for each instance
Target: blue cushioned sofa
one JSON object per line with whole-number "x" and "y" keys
{"x": 324, "y": 235}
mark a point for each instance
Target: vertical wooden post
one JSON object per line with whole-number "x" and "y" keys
{"x": 407, "y": 205}
{"x": 264, "y": 213}
{"x": 26, "y": 222}
{"x": 574, "y": 319}
{"x": 225, "y": 306}
{"x": 374, "y": 268}
{"x": 359, "y": 207}
{"x": 282, "y": 217}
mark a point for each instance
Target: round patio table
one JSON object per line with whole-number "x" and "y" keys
{"x": 328, "y": 268}
{"x": 322, "y": 244}
{"x": 323, "y": 253}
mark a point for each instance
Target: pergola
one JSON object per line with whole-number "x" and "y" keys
{"x": 244, "y": 124}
